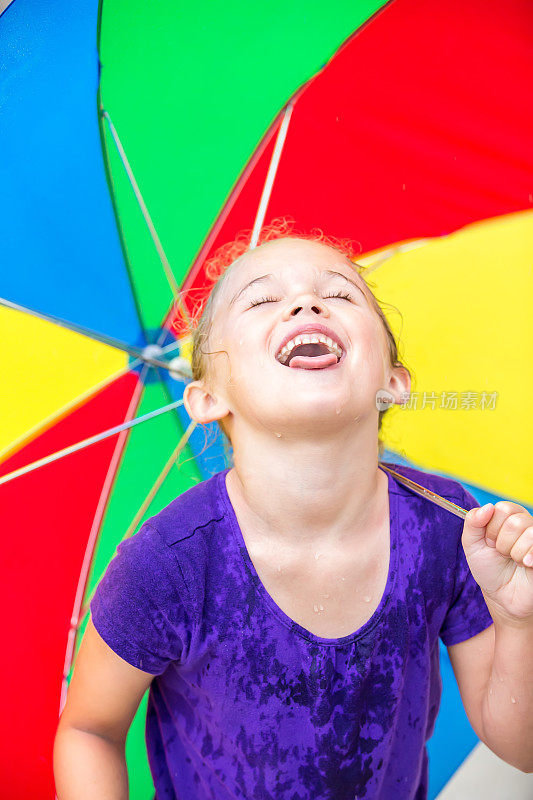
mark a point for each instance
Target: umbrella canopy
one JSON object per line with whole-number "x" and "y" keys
{"x": 402, "y": 131}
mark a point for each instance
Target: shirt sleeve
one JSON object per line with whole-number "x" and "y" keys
{"x": 467, "y": 614}
{"x": 137, "y": 607}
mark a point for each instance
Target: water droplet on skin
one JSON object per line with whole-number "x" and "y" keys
{"x": 490, "y": 690}
{"x": 278, "y": 435}
{"x": 315, "y": 608}
{"x": 343, "y": 579}
{"x": 317, "y": 556}
{"x": 241, "y": 342}
{"x": 513, "y": 699}
{"x": 337, "y": 411}
{"x": 367, "y": 598}
{"x": 321, "y": 607}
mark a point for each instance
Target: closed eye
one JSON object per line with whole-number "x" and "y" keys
{"x": 343, "y": 295}
{"x": 263, "y": 300}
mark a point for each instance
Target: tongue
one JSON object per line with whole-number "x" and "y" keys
{"x": 313, "y": 362}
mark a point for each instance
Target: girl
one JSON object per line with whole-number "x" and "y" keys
{"x": 286, "y": 612}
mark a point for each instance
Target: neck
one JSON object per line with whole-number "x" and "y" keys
{"x": 309, "y": 490}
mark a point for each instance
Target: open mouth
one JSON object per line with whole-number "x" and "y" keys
{"x": 320, "y": 353}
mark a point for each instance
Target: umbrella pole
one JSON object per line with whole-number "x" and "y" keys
{"x": 433, "y": 497}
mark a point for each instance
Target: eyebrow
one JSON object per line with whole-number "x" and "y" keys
{"x": 255, "y": 280}
{"x": 269, "y": 275}
{"x": 334, "y": 272}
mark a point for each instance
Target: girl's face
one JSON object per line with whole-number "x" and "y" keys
{"x": 267, "y": 296}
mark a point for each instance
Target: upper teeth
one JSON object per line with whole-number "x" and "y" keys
{"x": 309, "y": 338}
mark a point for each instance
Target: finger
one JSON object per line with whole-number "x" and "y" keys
{"x": 522, "y": 547}
{"x": 511, "y": 531}
{"x": 475, "y": 524}
{"x": 502, "y": 510}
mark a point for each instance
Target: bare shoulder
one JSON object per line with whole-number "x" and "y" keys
{"x": 105, "y": 691}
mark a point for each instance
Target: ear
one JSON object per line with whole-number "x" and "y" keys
{"x": 400, "y": 384}
{"x": 203, "y": 406}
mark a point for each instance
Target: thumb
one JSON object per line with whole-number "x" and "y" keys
{"x": 475, "y": 524}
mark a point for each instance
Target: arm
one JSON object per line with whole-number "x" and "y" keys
{"x": 494, "y": 669}
{"x": 89, "y": 747}
{"x": 495, "y": 678}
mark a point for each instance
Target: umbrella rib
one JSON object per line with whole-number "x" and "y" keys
{"x": 80, "y": 610}
{"x": 271, "y": 175}
{"x": 144, "y": 507}
{"x": 147, "y": 218}
{"x": 112, "y": 194}
{"x": 103, "y": 338}
{"x": 228, "y": 206}
{"x": 87, "y": 442}
{"x": 375, "y": 260}
{"x": 159, "y": 482}
{"x": 44, "y": 424}
{"x": 103, "y": 500}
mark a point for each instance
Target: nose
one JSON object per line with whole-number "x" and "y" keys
{"x": 305, "y": 302}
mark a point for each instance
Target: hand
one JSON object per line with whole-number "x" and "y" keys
{"x": 498, "y": 544}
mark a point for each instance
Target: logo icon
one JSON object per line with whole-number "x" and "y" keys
{"x": 384, "y": 400}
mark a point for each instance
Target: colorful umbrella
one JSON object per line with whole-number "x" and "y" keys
{"x": 412, "y": 139}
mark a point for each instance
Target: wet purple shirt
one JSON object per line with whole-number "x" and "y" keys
{"x": 249, "y": 704}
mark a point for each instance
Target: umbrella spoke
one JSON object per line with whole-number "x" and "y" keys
{"x": 159, "y": 482}
{"x": 271, "y": 175}
{"x": 76, "y": 622}
{"x": 93, "y": 536}
{"x": 47, "y": 422}
{"x": 87, "y": 442}
{"x": 375, "y": 260}
{"x": 147, "y": 218}
{"x": 110, "y": 341}
{"x": 140, "y": 355}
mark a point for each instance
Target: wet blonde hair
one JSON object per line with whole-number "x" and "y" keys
{"x": 217, "y": 268}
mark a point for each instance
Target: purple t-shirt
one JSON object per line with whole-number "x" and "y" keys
{"x": 249, "y": 704}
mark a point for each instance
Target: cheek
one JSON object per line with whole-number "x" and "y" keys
{"x": 234, "y": 356}
{"x": 244, "y": 342}
{"x": 371, "y": 346}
